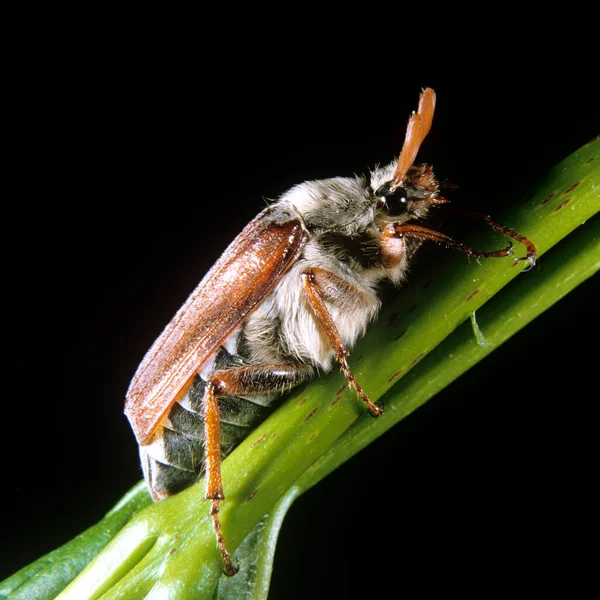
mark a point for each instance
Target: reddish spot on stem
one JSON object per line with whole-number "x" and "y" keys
{"x": 570, "y": 189}
{"x": 313, "y": 436}
{"x": 548, "y": 198}
{"x": 311, "y": 413}
{"x": 262, "y": 438}
{"x": 416, "y": 359}
{"x": 252, "y": 494}
{"x": 392, "y": 377}
{"x": 338, "y": 395}
{"x": 301, "y": 403}
{"x": 562, "y": 205}
{"x": 472, "y": 295}
{"x": 590, "y": 160}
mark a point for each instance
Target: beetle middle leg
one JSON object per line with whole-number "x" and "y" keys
{"x": 315, "y": 281}
{"x": 239, "y": 381}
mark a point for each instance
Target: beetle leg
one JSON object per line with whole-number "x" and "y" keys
{"x": 242, "y": 381}
{"x": 391, "y": 253}
{"x": 212, "y": 459}
{"x": 529, "y": 245}
{"x": 396, "y": 231}
{"x": 315, "y": 298}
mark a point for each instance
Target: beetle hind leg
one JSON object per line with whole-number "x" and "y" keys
{"x": 212, "y": 458}
{"x": 242, "y": 381}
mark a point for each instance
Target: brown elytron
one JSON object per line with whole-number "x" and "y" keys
{"x": 238, "y": 281}
{"x": 291, "y": 295}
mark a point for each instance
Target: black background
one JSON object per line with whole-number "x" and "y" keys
{"x": 134, "y": 173}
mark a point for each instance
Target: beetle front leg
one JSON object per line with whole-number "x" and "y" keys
{"x": 529, "y": 245}
{"x": 392, "y": 248}
{"x": 241, "y": 381}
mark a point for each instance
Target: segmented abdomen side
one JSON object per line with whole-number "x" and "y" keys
{"x": 174, "y": 459}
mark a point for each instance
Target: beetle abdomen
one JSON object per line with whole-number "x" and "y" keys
{"x": 173, "y": 460}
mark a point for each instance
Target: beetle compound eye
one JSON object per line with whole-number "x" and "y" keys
{"x": 396, "y": 199}
{"x": 398, "y": 202}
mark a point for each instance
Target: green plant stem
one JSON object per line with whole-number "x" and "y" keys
{"x": 169, "y": 550}
{"x": 571, "y": 263}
